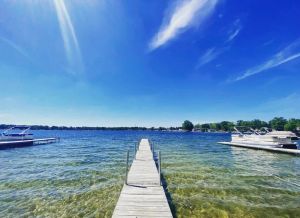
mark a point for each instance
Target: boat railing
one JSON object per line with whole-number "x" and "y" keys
{"x": 24, "y": 129}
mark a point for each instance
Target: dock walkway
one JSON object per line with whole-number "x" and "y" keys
{"x": 142, "y": 195}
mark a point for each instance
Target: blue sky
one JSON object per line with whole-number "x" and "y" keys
{"x": 148, "y": 63}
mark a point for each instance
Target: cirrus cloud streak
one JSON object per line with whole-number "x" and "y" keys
{"x": 286, "y": 55}
{"x": 184, "y": 14}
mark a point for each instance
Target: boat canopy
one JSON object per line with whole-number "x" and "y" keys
{"x": 19, "y": 129}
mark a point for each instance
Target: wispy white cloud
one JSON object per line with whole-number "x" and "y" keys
{"x": 234, "y": 31}
{"x": 233, "y": 34}
{"x": 212, "y": 53}
{"x": 288, "y": 54}
{"x": 184, "y": 14}
{"x": 208, "y": 56}
{"x": 268, "y": 42}
{"x": 16, "y": 47}
{"x": 71, "y": 44}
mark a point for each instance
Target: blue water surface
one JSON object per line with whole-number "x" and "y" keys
{"x": 82, "y": 175}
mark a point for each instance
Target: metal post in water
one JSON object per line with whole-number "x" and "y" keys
{"x": 153, "y": 147}
{"x": 134, "y": 150}
{"x": 159, "y": 167}
{"x": 127, "y": 167}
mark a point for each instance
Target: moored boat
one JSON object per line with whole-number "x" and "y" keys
{"x": 16, "y": 133}
{"x": 276, "y": 139}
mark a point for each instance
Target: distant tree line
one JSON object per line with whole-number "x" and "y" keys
{"x": 221, "y": 126}
{"x": 277, "y": 123}
{"x": 45, "y": 127}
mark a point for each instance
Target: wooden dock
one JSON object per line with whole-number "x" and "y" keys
{"x": 24, "y": 143}
{"x": 258, "y": 147}
{"x": 142, "y": 194}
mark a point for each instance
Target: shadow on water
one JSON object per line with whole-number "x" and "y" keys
{"x": 165, "y": 187}
{"x": 169, "y": 196}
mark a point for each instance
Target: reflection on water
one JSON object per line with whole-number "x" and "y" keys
{"x": 83, "y": 175}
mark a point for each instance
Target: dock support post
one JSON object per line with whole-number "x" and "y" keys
{"x": 159, "y": 166}
{"x": 134, "y": 150}
{"x": 127, "y": 161}
{"x": 153, "y": 146}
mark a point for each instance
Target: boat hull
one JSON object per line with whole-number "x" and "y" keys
{"x": 290, "y": 146}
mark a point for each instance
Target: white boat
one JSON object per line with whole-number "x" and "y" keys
{"x": 16, "y": 133}
{"x": 276, "y": 139}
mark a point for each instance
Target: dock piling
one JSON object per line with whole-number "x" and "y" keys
{"x": 159, "y": 166}
{"x": 127, "y": 162}
{"x": 134, "y": 150}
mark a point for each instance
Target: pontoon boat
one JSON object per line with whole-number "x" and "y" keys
{"x": 277, "y": 139}
{"x": 16, "y": 133}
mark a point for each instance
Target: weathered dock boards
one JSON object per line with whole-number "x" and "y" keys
{"x": 258, "y": 147}
{"x": 143, "y": 195}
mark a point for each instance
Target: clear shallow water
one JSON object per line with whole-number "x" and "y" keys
{"x": 83, "y": 175}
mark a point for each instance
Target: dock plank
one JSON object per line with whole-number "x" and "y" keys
{"x": 143, "y": 196}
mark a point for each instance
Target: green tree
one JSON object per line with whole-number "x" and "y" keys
{"x": 213, "y": 126}
{"x": 264, "y": 124}
{"x": 243, "y": 123}
{"x": 292, "y": 125}
{"x": 256, "y": 124}
{"x": 218, "y": 126}
{"x": 187, "y": 125}
{"x": 240, "y": 123}
{"x": 226, "y": 125}
{"x": 205, "y": 126}
{"x": 278, "y": 123}
{"x": 197, "y": 126}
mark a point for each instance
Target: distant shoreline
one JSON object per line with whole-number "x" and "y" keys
{"x": 162, "y": 129}
{"x": 45, "y": 127}
{"x": 277, "y": 123}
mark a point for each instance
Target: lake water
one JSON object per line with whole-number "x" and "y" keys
{"x": 83, "y": 176}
